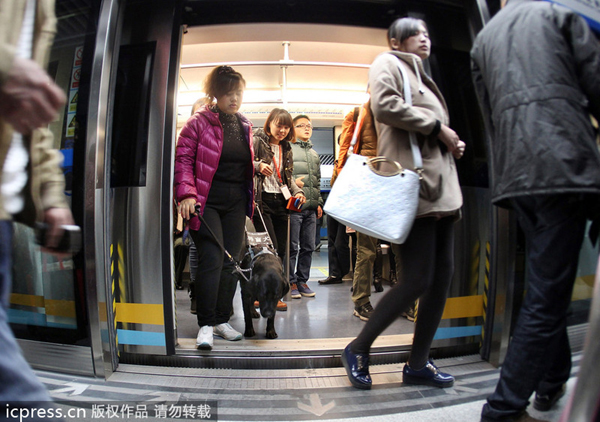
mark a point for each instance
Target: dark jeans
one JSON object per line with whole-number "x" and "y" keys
{"x": 215, "y": 281}
{"x": 538, "y": 356}
{"x": 427, "y": 263}
{"x": 18, "y": 383}
{"x": 302, "y": 232}
{"x": 338, "y": 249}
{"x": 275, "y": 215}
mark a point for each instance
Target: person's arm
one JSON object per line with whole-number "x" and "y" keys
{"x": 45, "y": 162}
{"x": 585, "y": 48}
{"x": 320, "y": 200}
{"x": 29, "y": 98}
{"x": 481, "y": 91}
{"x": 185, "y": 163}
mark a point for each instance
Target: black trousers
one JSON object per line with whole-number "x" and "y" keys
{"x": 338, "y": 251}
{"x": 539, "y": 356}
{"x": 275, "y": 214}
{"x": 426, "y": 260}
{"x": 216, "y": 281}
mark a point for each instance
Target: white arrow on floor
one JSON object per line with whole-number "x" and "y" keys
{"x": 316, "y": 407}
{"x": 74, "y": 387}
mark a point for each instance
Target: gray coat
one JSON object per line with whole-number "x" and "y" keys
{"x": 440, "y": 190}
{"x": 536, "y": 69}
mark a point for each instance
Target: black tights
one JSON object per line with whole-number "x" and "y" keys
{"x": 426, "y": 260}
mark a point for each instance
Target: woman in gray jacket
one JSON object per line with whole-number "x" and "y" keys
{"x": 428, "y": 254}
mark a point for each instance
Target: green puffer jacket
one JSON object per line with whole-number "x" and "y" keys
{"x": 307, "y": 164}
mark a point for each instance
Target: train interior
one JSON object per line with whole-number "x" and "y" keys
{"x": 133, "y": 70}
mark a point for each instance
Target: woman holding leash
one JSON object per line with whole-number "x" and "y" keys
{"x": 275, "y": 184}
{"x": 427, "y": 256}
{"x": 214, "y": 170}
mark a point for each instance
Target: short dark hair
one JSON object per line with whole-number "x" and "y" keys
{"x": 301, "y": 116}
{"x": 404, "y": 28}
{"x": 221, "y": 80}
{"x": 282, "y": 117}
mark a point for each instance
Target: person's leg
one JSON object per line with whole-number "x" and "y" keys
{"x": 307, "y": 245}
{"x": 18, "y": 383}
{"x": 342, "y": 249}
{"x": 280, "y": 225}
{"x": 180, "y": 257}
{"x": 378, "y": 264}
{"x": 295, "y": 227}
{"x": 416, "y": 256}
{"x": 432, "y": 303}
{"x": 266, "y": 211}
{"x": 332, "y": 232}
{"x": 318, "y": 234}
{"x": 554, "y": 227}
{"x": 193, "y": 269}
{"x": 210, "y": 264}
{"x": 365, "y": 258}
{"x": 233, "y": 222}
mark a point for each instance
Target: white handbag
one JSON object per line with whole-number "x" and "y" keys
{"x": 381, "y": 205}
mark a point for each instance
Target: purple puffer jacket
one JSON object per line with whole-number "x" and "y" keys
{"x": 197, "y": 158}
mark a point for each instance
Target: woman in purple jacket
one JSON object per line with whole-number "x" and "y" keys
{"x": 213, "y": 169}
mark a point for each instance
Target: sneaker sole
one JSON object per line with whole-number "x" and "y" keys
{"x": 204, "y": 346}
{"x": 407, "y": 379}
{"x": 363, "y": 318}
{"x": 298, "y": 296}
{"x": 313, "y": 294}
{"x": 236, "y": 338}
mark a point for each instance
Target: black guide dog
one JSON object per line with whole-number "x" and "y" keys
{"x": 264, "y": 282}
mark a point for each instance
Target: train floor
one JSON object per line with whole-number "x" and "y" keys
{"x": 287, "y": 395}
{"x": 327, "y": 315}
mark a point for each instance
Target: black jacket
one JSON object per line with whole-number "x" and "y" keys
{"x": 536, "y": 69}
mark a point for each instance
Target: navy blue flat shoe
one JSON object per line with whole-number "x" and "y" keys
{"x": 357, "y": 368}
{"x": 428, "y": 375}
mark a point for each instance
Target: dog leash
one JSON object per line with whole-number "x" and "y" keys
{"x": 237, "y": 269}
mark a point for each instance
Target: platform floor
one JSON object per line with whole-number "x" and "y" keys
{"x": 292, "y": 395}
{"x": 306, "y": 394}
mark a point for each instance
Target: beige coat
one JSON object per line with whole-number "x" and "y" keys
{"x": 440, "y": 190}
{"x": 45, "y": 186}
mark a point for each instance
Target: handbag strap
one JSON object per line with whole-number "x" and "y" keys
{"x": 414, "y": 146}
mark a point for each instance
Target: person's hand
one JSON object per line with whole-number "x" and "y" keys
{"x": 448, "y": 137}
{"x": 460, "y": 150}
{"x": 29, "y": 98}
{"x": 187, "y": 207}
{"x": 299, "y": 182}
{"x": 319, "y": 212}
{"x": 301, "y": 197}
{"x": 265, "y": 169}
{"x": 55, "y": 218}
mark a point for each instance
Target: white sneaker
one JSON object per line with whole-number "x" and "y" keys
{"x": 205, "y": 338}
{"x": 226, "y": 331}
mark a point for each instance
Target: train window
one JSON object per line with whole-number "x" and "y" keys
{"x": 48, "y": 301}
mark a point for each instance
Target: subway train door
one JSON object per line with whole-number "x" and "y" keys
{"x": 128, "y": 178}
